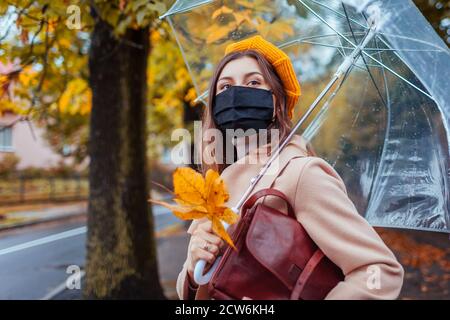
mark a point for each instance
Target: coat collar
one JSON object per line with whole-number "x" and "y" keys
{"x": 237, "y": 176}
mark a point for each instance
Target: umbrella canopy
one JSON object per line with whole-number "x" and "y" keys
{"x": 385, "y": 127}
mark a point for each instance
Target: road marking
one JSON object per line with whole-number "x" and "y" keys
{"x": 60, "y": 236}
{"x": 59, "y": 289}
{"x": 160, "y": 210}
{"x": 41, "y": 241}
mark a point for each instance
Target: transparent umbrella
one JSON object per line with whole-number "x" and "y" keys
{"x": 375, "y": 83}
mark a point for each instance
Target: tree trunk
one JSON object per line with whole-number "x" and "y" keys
{"x": 121, "y": 247}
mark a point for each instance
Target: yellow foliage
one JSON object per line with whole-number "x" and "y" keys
{"x": 16, "y": 107}
{"x": 26, "y": 76}
{"x": 260, "y": 5}
{"x": 154, "y": 36}
{"x": 52, "y": 24}
{"x": 190, "y": 97}
{"x": 276, "y": 30}
{"x": 217, "y": 32}
{"x": 76, "y": 98}
{"x": 220, "y": 11}
{"x": 64, "y": 43}
{"x": 242, "y": 16}
{"x": 199, "y": 197}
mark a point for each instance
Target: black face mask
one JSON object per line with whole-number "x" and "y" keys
{"x": 243, "y": 108}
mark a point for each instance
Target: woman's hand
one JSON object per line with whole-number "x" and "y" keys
{"x": 204, "y": 245}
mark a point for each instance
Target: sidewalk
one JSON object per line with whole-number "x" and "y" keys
{"x": 172, "y": 251}
{"x": 28, "y": 214}
{"x": 39, "y": 214}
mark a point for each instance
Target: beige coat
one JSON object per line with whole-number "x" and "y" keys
{"x": 321, "y": 204}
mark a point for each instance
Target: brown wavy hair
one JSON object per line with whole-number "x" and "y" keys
{"x": 282, "y": 122}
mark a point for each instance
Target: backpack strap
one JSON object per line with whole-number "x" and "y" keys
{"x": 266, "y": 192}
{"x": 269, "y": 179}
{"x": 313, "y": 262}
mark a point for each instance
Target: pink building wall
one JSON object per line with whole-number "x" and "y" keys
{"x": 33, "y": 152}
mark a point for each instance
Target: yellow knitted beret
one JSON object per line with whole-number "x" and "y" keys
{"x": 279, "y": 60}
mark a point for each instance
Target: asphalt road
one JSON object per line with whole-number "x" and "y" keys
{"x": 34, "y": 260}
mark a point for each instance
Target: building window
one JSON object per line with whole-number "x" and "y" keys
{"x": 67, "y": 150}
{"x": 6, "y": 139}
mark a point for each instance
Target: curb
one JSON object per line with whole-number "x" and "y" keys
{"x": 38, "y": 221}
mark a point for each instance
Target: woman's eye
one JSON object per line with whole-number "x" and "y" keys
{"x": 224, "y": 86}
{"x": 254, "y": 81}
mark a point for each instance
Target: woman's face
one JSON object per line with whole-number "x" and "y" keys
{"x": 244, "y": 71}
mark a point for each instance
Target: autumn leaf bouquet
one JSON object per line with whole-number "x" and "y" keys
{"x": 197, "y": 197}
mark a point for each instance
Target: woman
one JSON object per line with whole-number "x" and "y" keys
{"x": 255, "y": 72}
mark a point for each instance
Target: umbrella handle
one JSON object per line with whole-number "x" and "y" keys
{"x": 201, "y": 278}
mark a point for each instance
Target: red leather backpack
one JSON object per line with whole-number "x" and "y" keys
{"x": 276, "y": 258}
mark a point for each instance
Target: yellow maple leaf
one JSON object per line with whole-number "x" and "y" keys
{"x": 189, "y": 186}
{"x": 197, "y": 197}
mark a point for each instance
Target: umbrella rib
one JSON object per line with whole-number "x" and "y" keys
{"x": 317, "y": 122}
{"x": 354, "y": 45}
{"x": 183, "y": 55}
{"x": 392, "y": 71}
{"x": 362, "y": 51}
{"x": 408, "y": 38}
{"x": 399, "y": 76}
{"x": 376, "y": 50}
{"x": 339, "y": 13}
{"x": 341, "y": 46}
{"x": 365, "y": 87}
{"x": 171, "y": 12}
{"x": 326, "y": 45}
{"x": 408, "y": 50}
{"x": 311, "y": 130}
{"x": 367, "y": 64}
{"x": 372, "y": 50}
{"x": 383, "y": 33}
{"x": 387, "y": 132}
{"x": 440, "y": 49}
{"x": 386, "y": 88}
{"x": 325, "y": 22}
{"x": 355, "y": 119}
{"x": 302, "y": 39}
{"x": 362, "y": 56}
